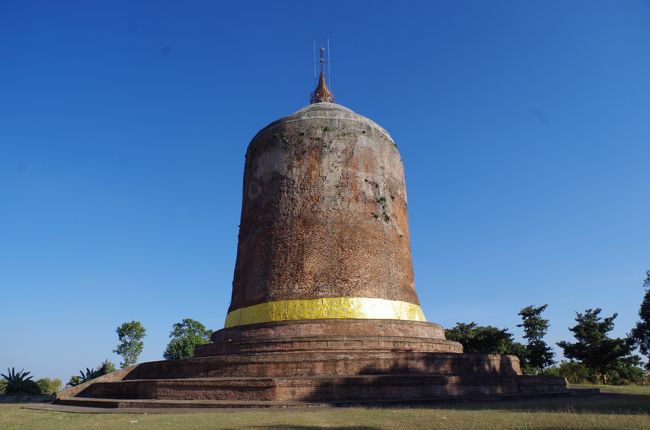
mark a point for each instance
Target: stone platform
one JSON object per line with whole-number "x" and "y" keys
{"x": 321, "y": 362}
{"x": 335, "y": 335}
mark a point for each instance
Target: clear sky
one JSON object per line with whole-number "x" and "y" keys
{"x": 524, "y": 127}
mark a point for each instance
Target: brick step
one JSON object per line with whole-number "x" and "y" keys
{"x": 86, "y": 405}
{"x": 80, "y": 404}
{"x": 315, "y": 329}
{"x": 326, "y": 362}
{"x": 377, "y": 388}
{"x": 328, "y": 342}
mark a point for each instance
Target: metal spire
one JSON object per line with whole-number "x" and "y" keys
{"x": 322, "y": 94}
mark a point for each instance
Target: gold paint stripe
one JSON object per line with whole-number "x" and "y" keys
{"x": 326, "y": 308}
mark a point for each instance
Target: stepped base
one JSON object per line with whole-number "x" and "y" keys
{"x": 375, "y": 389}
{"x": 314, "y": 363}
{"x": 327, "y": 362}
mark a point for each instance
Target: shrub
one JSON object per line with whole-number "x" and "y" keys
{"x": 106, "y": 367}
{"x": 573, "y": 371}
{"x": 101, "y": 370}
{"x": 49, "y": 386}
{"x": 19, "y": 383}
{"x": 625, "y": 375}
{"x": 75, "y": 380}
{"x": 84, "y": 376}
{"x": 576, "y": 373}
{"x": 486, "y": 340}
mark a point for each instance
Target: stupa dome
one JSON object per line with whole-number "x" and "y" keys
{"x": 331, "y": 111}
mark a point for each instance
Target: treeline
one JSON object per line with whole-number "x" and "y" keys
{"x": 592, "y": 356}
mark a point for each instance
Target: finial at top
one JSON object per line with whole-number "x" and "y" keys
{"x": 322, "y": 93}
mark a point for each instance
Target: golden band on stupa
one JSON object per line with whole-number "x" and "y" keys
{"x": 325, "y": 308}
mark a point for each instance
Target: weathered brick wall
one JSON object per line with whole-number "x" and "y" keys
{"x": 324, "y": 212}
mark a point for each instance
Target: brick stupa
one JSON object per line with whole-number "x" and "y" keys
{"x": 324, "y": 307}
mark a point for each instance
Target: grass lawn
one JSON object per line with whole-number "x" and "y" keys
{"x": 618, "y": 408}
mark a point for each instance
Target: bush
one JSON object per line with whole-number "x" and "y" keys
{"x": 19, "y": 383}
{"x": 626, "y": 375}
{"x": 49, "y": 386}
{"x": 3, "y": 385}
{"x": 104, "y": 368}
{"x": 75, "y": 380}
{"x": 573, "y": 371}
{"x": 478, "y": 339}
{"x": 576, "y": 373}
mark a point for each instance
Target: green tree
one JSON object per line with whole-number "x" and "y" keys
{"x": 186, "y": 335}
{"x": 641, "y": 331}
{"x": 485, "y": 340}
{"x": 130, "y": 335}
{"x": 539, "y": 355}
{"x": 594, "y": 348}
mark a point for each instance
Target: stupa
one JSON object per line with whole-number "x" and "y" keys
{"x": 324, "y": 307}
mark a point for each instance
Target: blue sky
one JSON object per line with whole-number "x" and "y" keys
{"x": 523, "y": 126}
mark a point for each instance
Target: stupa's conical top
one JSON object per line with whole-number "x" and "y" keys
{"x": 322, "y": 93}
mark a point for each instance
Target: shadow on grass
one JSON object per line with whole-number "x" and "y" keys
{"x": 608, "y": 403}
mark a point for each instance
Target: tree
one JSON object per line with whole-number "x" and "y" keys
{"x": 485, "y": 340}
{"x": 594, "y": 348}
{"x": 130, "y": 335}
{"x": 641, "y": 331}
{"x": 185, "y": 336}
{"x": 539, "y": 354}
